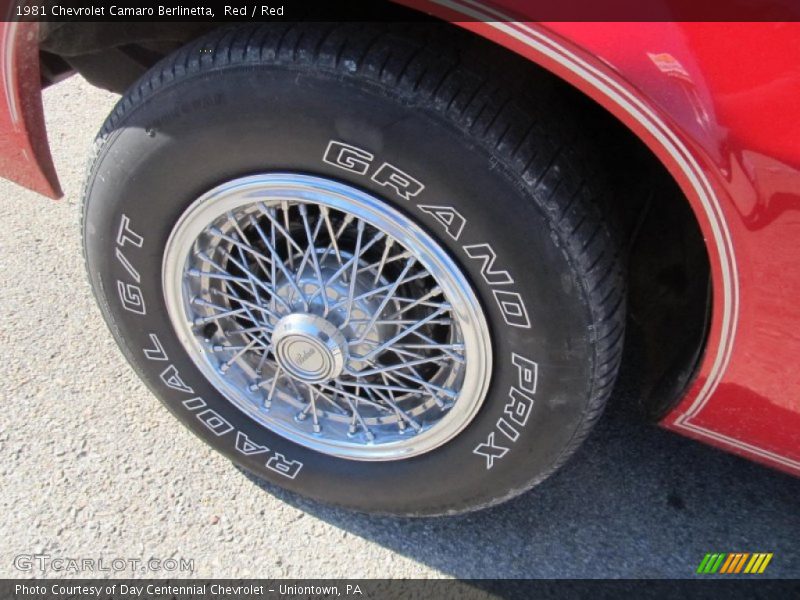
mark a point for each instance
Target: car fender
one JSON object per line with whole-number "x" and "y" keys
{"x": 24, "y": 151}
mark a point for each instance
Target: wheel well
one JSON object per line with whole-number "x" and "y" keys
{"x": 668, "y": 268}
{"x": 669, "y": 290}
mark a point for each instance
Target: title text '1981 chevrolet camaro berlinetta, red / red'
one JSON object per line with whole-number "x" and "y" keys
{"x": 396, "y": 265}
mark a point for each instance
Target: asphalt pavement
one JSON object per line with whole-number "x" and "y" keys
{"x": 92, "y": 466}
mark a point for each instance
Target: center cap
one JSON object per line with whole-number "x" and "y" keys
{"x": 309, "y": 347}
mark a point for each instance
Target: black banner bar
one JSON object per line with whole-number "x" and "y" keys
{"x": 240, "y": 11}
{"x": 381, "y": 589}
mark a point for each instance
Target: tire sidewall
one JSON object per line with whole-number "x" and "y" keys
{"x": 181, "y": 141}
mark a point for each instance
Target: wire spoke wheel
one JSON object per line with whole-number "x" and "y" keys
{"x": 327, "y": 316}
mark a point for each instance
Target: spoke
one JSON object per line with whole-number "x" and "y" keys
{"x": 247, "y": 246}
{"x": 258, "y": 328}
{"x": 442, "y": 390}
{"x": 271, "y": 393}
{"x": 224, "y": 311}
{"x": 294, "y": 386}
{"x": 312, "y": 392}
{"x": 409, "y": 263}
{"x": 287, "y": 235}
{"x": 251, "y": 277}
{"x": 251, "y": 317}
{"x": 386, "y": 248}
{"x": 262, "y": 360}
{"x": 402, "y": 322}
{"x": 227, "y": 365}
{"x": 237, "y": 280}
{"x": 330, "y": 401}
{"x": 253, "y": 340}
{"x": 432, "y": 346}
{"x": 389, "y": 399}
{"x": 390, "y": 393}
{"x": 269, "y": 213}
{"x": 356, "y": 415}
{"x": 345, "y": 224}
{"x": 340, "y": 272}
{"x": 421, "y": 361}
{"x": 345, "y": 394}
{"x": 248, "y": 336}
{"x": 352, "y": 287}
{"x": 255, "y": 225}
{"x": 242, "y": 246}
{"x": 399, "y": 352}
{"x": 333, "y": 236}
{"x": 209, "y": 319}
{"x": 305, "y": 257}
{"x": 392, "y": 349}
{"x": 367, "y": 431}
{"x": 455, "y": 357}
{"x": 194, "y": 272}
{"x": 426, "y": 303}
{"x": 279, "y": 263}
{"x": 273, "y": 273}
{"x": 253, "y": 280}
{"x": 434, "y": 292}
{"x": 312, "y": 250}
{"x": 272, "y": 382}
{"x": 377, "y": 350}
{"x": 383, "y": 288}
{"x": 378, "y": 386}
{"x": 425, "y": 386}
{"x": 401, "y": 256}
{"x": 246, "y": 304}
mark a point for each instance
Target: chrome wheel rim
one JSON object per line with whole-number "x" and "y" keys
{"x": 327, "y": 316}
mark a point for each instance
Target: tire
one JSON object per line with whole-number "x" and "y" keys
{"x": 491, "y": 183}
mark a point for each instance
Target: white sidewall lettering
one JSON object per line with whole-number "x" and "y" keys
{"x": 402, "y": 183}
{"x": 348, "y": 157}
{"x": 448, "y": 217}
{"x": 516, "y": 412}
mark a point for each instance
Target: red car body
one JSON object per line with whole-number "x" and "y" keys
{"x": 717, "y": 103}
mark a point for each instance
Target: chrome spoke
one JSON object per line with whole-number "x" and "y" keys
{"x": 412, "y": 363}
{"x": 386, "y": 248}
{"x": 406, "y": 268}
{"x": 414, "y": 303}
{"x": 351, "y": 287}
{"x": 368, "y": 294}
{"x": 402, "y": 334}
{"x": 312, "y": 252}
